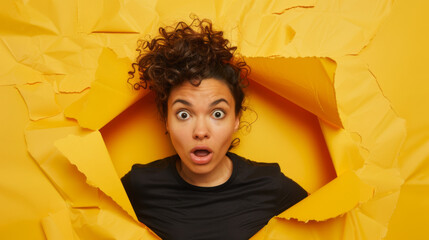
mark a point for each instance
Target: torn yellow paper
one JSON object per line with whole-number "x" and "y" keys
{"x": 26, "y": 195}
{"x": 112, "y": 21}
{"x": 258, "y": 28}
{"x": 126, "y": 17}
{"x": 89, "y": 154}
{"x": 68, "y": 181}
{"x": 307, "y": 82}
{"x": 280, "y": 229}
{"x": 399, "y": 63}
{"x": 40, "y": 100}
{"x": 70, "y": 56}
{"x": 273, "y": 117}
{"x": 387, "y": 184}
{"x": 328, "y": 29}
{"x": 27, "y": 19}
{"x": 58, "y": 226}
{"x": 287, "y": 5}
{"x": 59, "y": 44}
{"x": 92, "y": 223}
{"x": 110, "y": 93}
{"x": 137, "y": 128}
{"x": 368, "y": 116}
{"x": 359, "y": 147}
{"x": 345, "y": 153}
{"x": 13, "y": 72}
{"x": 72, "y": 184}
{"x": 339, "y": 196}
{"x": 101, "y": 223}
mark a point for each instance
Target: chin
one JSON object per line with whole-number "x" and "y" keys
{"x": 201, "y": 169}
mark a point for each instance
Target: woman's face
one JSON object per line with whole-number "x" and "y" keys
{"x": 201, "y": 121}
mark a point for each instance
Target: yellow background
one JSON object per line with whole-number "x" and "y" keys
{"x": 350, "y": 125}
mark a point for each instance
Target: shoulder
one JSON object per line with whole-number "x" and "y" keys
{"x": 270, "y": 173}
{"x": 152, "y": 171}
{"x": 157, "y": 165}
{"x": 254, "y": 167}
{"x": 257, "y": 173}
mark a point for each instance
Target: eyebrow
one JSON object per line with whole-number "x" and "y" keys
{"x": 182, "y": 101}
{"x": 219, "y": 101}
{"x": 214, "y": 103}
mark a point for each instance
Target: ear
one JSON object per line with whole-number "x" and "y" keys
{"x": 166, "y": 125}
{"x": 236, "y": 123}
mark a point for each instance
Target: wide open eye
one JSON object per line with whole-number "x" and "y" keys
{"x": 182, "y": 115}
{"x": 218, "y": 114}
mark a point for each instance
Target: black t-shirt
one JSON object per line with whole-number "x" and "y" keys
{"x": 236, "y": 209}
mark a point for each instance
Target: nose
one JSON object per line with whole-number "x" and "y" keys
{"x": 201, "y": 129}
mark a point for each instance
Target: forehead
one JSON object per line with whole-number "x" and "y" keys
{"x": 208, "y": 89}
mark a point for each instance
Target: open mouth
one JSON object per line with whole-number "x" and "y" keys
{"x": 201, "y": 155}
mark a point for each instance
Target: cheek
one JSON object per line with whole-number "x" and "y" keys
{"x": 179, "y": 135}
{"x": 224, "y": 132}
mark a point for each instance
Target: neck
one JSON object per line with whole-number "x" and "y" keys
{"x": 218, "y": 176}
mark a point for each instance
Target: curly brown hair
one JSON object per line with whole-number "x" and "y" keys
{"x": 191, "y": 53}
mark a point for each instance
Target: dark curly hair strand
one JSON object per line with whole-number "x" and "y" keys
{"x": 189, "y": 53}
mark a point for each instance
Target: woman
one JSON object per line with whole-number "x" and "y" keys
{"x": 203, "y": 192}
